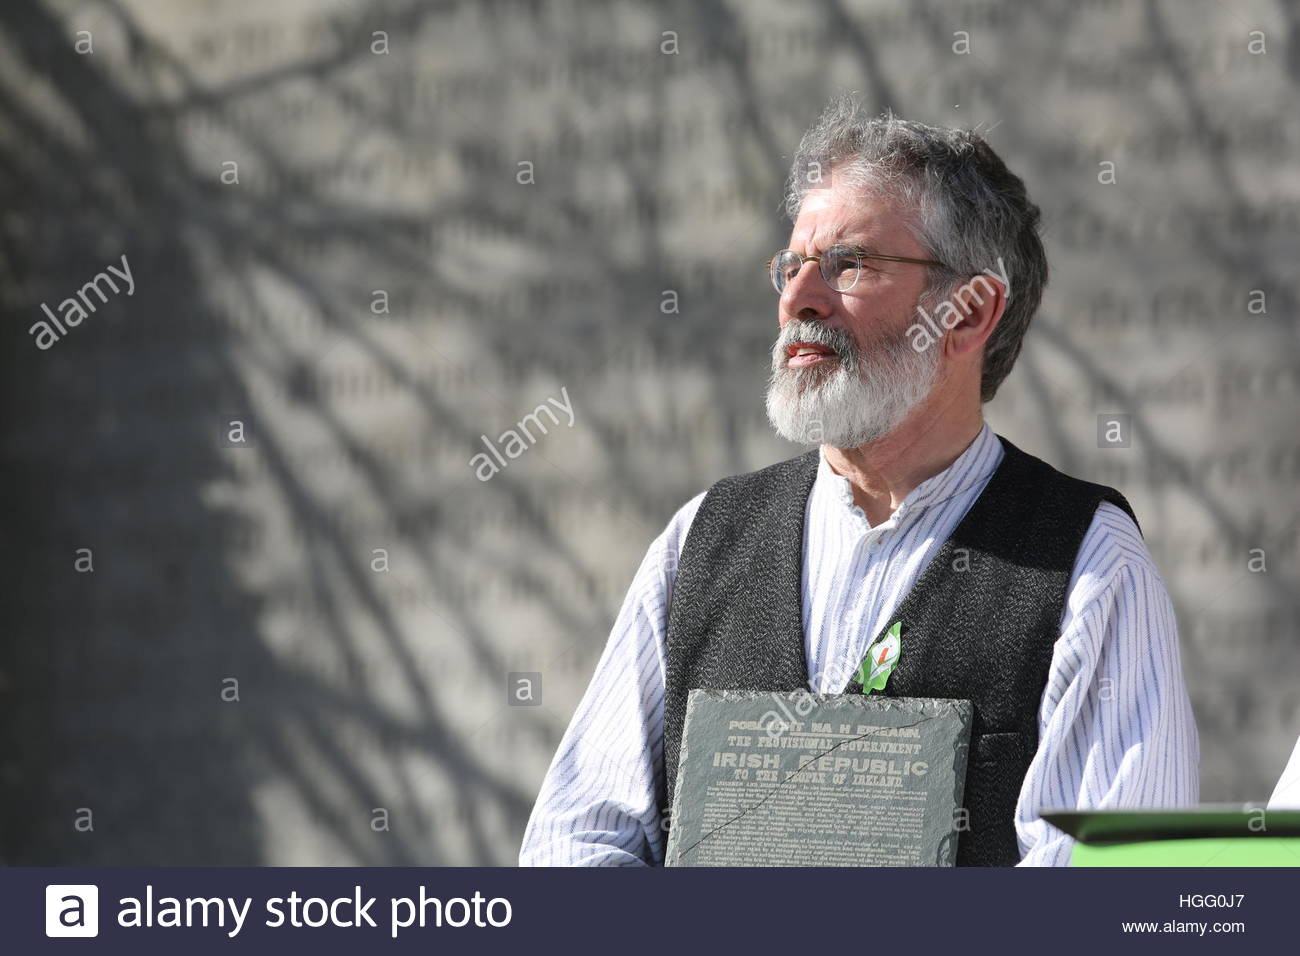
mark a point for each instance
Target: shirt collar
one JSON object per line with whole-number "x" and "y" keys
{"x": 973, "y": 466}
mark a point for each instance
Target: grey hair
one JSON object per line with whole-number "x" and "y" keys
{"x": 970, "y": 209}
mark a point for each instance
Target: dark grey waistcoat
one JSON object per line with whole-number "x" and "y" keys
{"x": 979, "y": 623}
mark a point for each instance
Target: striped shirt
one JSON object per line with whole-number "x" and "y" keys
{"x": 1115, "y": 725}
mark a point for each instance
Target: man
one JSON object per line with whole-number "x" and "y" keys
{"x": 913, "y": 270}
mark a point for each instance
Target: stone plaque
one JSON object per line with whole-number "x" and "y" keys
{"x": 802, "y": 779}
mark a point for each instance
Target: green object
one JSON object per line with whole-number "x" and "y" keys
{"x": 1200, "y": 836}
{"x": 874, "y": 671}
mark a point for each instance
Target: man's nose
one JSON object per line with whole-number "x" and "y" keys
{"x": 806, "y": 296}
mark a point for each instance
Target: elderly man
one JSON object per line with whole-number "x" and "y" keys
{"x": 913, "y": 270}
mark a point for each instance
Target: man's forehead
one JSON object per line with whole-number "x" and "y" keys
{"x": 830, "y": 215}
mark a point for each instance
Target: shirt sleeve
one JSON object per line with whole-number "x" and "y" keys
{"x": 598, "y": 805}
{"x": 1115, "y": 725}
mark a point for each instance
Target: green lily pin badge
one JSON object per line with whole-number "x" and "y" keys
{"x": 881, "y": 657}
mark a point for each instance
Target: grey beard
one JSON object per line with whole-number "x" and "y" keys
{"x": 857, "y": 400}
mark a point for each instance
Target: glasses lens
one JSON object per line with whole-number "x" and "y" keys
{"x": 840, "y": 267}
{"x": 784, "y": 266}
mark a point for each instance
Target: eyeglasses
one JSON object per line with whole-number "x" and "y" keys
{"x": 840, "y": 265}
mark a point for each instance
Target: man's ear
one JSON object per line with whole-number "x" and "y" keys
{"x": 977, "y": 307}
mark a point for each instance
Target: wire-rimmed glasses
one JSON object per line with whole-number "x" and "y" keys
{"x": 840, "y": 265}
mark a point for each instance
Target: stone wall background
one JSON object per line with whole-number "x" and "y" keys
{"x": 345, "y": 566}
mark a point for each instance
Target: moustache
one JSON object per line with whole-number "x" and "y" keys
{"x": 814, "y": 333}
